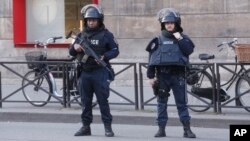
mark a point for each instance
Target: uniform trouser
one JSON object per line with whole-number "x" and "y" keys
{"x": 177, "y": 83}
{"x": 95, "y": 82}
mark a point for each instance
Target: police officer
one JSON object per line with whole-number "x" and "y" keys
{"x": 94, "y": 78}
{"x": 168, "y": 58}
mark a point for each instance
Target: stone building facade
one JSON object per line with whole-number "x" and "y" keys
{"x": 134, "y": 24}
{"x": 208, "y": 23}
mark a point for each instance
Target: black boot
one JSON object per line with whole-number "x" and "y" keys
{"x": 187, "y": 131}
{"x": 161, "y": 132}
{"x": 84, "y": 131}
{"x": 108, "y": 131}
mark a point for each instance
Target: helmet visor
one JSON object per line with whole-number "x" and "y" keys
{"x": 168, "y": 19}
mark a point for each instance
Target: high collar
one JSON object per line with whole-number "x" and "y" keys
{"x": 167, "y": 34}
{"x": 90, "y": 32}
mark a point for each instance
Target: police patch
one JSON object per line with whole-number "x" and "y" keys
{"x": 95, "y": 42}
{"x": 167, "y": 42}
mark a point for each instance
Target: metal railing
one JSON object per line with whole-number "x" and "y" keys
{"x": 139, "y": 101}
{"x": 21, "y": 76}
{"x": 209, "y": 67}
{"x": 54, "y": 66}
{"x": 129, "y": 101}
{"x": 244, "y": 75}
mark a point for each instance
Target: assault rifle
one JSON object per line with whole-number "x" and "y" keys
{"x": 86, "y": 45}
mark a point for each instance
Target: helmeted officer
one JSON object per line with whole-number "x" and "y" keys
{"x": 94, "y": 78}
{"x": 168, "y": 59}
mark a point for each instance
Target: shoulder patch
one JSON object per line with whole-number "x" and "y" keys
{"x": 152, "y": 45}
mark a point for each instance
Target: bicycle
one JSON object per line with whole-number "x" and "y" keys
{"x": 38, "y": 85}
{"x": 74, "y": 82}
{"x": 200, "y": 84}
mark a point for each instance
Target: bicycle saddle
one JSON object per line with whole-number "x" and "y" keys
{"x": 205, "y": 56}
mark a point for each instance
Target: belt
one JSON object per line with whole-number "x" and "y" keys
{"x": 172, "y": 70}
{"x": 89, "y": 68}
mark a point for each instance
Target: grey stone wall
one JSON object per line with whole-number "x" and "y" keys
{"x": 6, "y": 29}
{"x": 134, "y": 24}
{"x": 208, "y": 23}
{"x": 6, "y": 19}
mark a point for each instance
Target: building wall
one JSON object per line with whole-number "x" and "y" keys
{"x": 208, "y": 23}
{"x": 6, "y": 28}
{"x": 134, "y": 24}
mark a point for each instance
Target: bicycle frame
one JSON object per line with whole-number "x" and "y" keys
{"x": 50, "y": 75}
{"x": 195, "y": 81}
{"x": 53, "y": 83}
{"x": 240, "y": 76}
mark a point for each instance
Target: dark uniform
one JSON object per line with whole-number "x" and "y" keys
{"x": 95, "y": 78}
{"x": 167, "y": 62}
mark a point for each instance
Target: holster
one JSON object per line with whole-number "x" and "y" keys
{"x": 158, "y": 91}
{"x": 156, "y": 88}
{"x": 111, "y": 74}
{"x": 78, "y": 71}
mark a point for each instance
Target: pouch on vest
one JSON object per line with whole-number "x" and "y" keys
{"x": 172, "y": 56}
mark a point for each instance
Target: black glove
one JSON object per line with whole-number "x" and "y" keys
{"x": 156, "y": 88}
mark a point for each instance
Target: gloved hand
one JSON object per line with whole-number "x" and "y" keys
{"x": 177, "y": 35}
{"x": 156, "y": 88}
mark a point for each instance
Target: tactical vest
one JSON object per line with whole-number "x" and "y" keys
{"x": 167, "y": 53}
{"x": 97, "y": 43}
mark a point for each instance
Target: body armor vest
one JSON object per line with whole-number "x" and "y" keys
{"x": 97, "y": 44}
{"x": 167, "y": 53}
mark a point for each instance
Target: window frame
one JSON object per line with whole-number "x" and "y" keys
{"x": 19, "y": 26}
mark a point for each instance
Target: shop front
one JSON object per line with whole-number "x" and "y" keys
{"x": 41, "y": 19}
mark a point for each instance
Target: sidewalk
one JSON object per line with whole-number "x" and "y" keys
{"x": 121, "y": 115}
{"x": 14, "y": 131}
{"x": 23, "y": 122}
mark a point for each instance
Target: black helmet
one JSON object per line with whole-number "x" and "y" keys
{"x": 92, "y": 11}
{"x": 169, "y": 15}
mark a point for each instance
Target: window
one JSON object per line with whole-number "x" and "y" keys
{"x": 72, "y": 14}
{"x": 40, "y": 19}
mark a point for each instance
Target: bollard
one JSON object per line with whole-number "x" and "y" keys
{"x": 0, "y": 91}
{"x": 64, "y": 87}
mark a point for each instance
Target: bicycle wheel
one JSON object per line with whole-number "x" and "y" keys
{"x": 242, "y": 89}
{"x": 74, "y": 91}
{"x": 200, "y": 91}
{"x": 35, "y": 94}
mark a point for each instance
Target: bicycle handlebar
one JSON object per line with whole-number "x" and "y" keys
{"x": 54, "y": 39}
{"x": 230, "y": 44}
{"x": 44, "y": 44}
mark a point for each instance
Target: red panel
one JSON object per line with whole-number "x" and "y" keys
{"x": 19, "y": 21}
{"x": 52, "y": 45}
{"x": 95, "y": 1}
